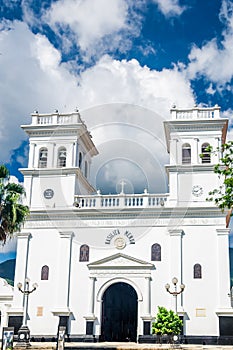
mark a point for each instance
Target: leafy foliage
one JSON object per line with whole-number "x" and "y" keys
{"x": 223, "y": 196}
{"x": 12, "y": 212}
{"x": 166, "y": 322}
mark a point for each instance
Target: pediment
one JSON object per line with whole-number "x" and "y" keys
{"x": 122, "y": 261}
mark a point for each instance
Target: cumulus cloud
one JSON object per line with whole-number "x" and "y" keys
{"x": 37, "y": 78}
{"x": 8, "y": 247}
{"x": 94, "y": 25}
{"x": 170, "y": 7}
{"x": 31, "y": 78}
{"x": 213, "y": 60}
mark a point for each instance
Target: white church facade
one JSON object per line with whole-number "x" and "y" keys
{"x": 101, "y": 262}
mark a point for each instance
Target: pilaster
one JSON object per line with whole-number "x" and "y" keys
{"x": 63, "y": 287}
{"x": 223, "y": 267}
{"x": 176, "y": 259}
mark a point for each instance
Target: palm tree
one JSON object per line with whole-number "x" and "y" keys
{"x": 12, "y": 212}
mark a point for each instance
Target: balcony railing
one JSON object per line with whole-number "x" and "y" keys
{"x": 120, "y": 201}
{"x": 196, "y": 113}
{"x": 55, "y": 118}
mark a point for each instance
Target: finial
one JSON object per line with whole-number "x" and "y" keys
{"x": 55, "y": 110}
{"x": 36, "y": 111}
{"x": 173, "y": 105}
{"x": 76, "y": 109}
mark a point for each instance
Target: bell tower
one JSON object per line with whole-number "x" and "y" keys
{"x": 188, "y": 135}
{"x": 60, "y": 156}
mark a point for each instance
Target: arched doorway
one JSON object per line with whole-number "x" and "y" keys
{"x": 119, "y": 313}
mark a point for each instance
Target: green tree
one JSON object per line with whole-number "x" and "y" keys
{"x": 12, "y": 212}
{"x": 166, "y": 322}
{"x": 223, "y": 196}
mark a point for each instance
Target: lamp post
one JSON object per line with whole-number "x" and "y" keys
{"x": 175, "y": 292}
{"x": 24, "y": 332}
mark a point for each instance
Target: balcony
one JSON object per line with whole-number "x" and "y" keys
{"x": 196, "y": 113}
{"x": 56, "y": 118}
{"x": 120, "y": 201}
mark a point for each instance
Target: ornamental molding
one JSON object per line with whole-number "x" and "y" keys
{"x": 123, "y": 214}
{"x": 72, "y": 224}
{"x": 223, "y": 231}
{"x": 190, "y": 168}
{"x": 176, "y": 232}
{"x": 127, "y": 273}
{"x": 120, "y": 261}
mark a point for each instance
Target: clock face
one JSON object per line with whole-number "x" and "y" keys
{"x": 197, "y": 190}
{"x": 49, "y": 193}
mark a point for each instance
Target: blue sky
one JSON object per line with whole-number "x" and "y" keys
{"x": 116, "y": 60}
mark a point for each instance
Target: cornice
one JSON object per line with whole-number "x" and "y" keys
{"x": 125, "y": 214}
{"x": 195, "y": 125}
{"x": 58, "y": 172}
{"x": 77, "y": 130}
{"x": 189, "y": 168}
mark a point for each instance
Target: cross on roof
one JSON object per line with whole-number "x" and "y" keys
{"x": 122, "y": 183}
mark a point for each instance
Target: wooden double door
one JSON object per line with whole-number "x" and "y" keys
{"x": 119, "y": 313}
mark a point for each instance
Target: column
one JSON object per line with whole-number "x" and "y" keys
{"x": 174, "y": 152}
{"x": 196, "y": 156}
{"x": 31, "y": 157}
{"x": 147, "y": 318}
{"x": 176, "y": 260}
{"x": 64, "y": 270}
{"x": 148, "y": 297}
{"x": 92, "y": 301}
{"x": 223, "y": 278}
{"x": 23, "y": 239}
{"x": 91, "y": 316}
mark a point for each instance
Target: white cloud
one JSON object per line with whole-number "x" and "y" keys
{"x": 111, "y": 81}
{"x": 170, "y": 7}
{"x": 9, "y": 246}
{"x": 36, "y": 78}
{"x": 93, "y": 25}
{"x": 213, "y": 60}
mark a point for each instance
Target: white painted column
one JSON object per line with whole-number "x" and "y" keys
{"x": 54, "y": 160}
{"x": 64, "y": 270}
{"x": 196, "y": 155}
{"x": 92, "y": 300}
{"x": 31, "y": 156}
{"x": 148, "y": 297}
{"x": 21, "y": 267}
{"x": 174, "y": 152}
{"x": 223, "y": 264}
{"x": 176, "y": 262}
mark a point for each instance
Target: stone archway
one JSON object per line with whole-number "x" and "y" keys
{"x": 119, "y": 313}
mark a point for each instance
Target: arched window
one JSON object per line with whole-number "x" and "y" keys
{"x": 45, "y": 273}
{"x": 86, "y": 169}
{"x": 80, "y": 160}
{"x": 61, "y": 157}
{"x": 43, "y": 158}
{"x": 197, "y": 271}
{"x": 186, "y": 153}
{"x": 156, "y": 252}
{"x": 205, "y": 153}
{"x": 84, "y": 253}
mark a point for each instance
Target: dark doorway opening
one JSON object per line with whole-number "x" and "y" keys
{"x": 119, "y": 313}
